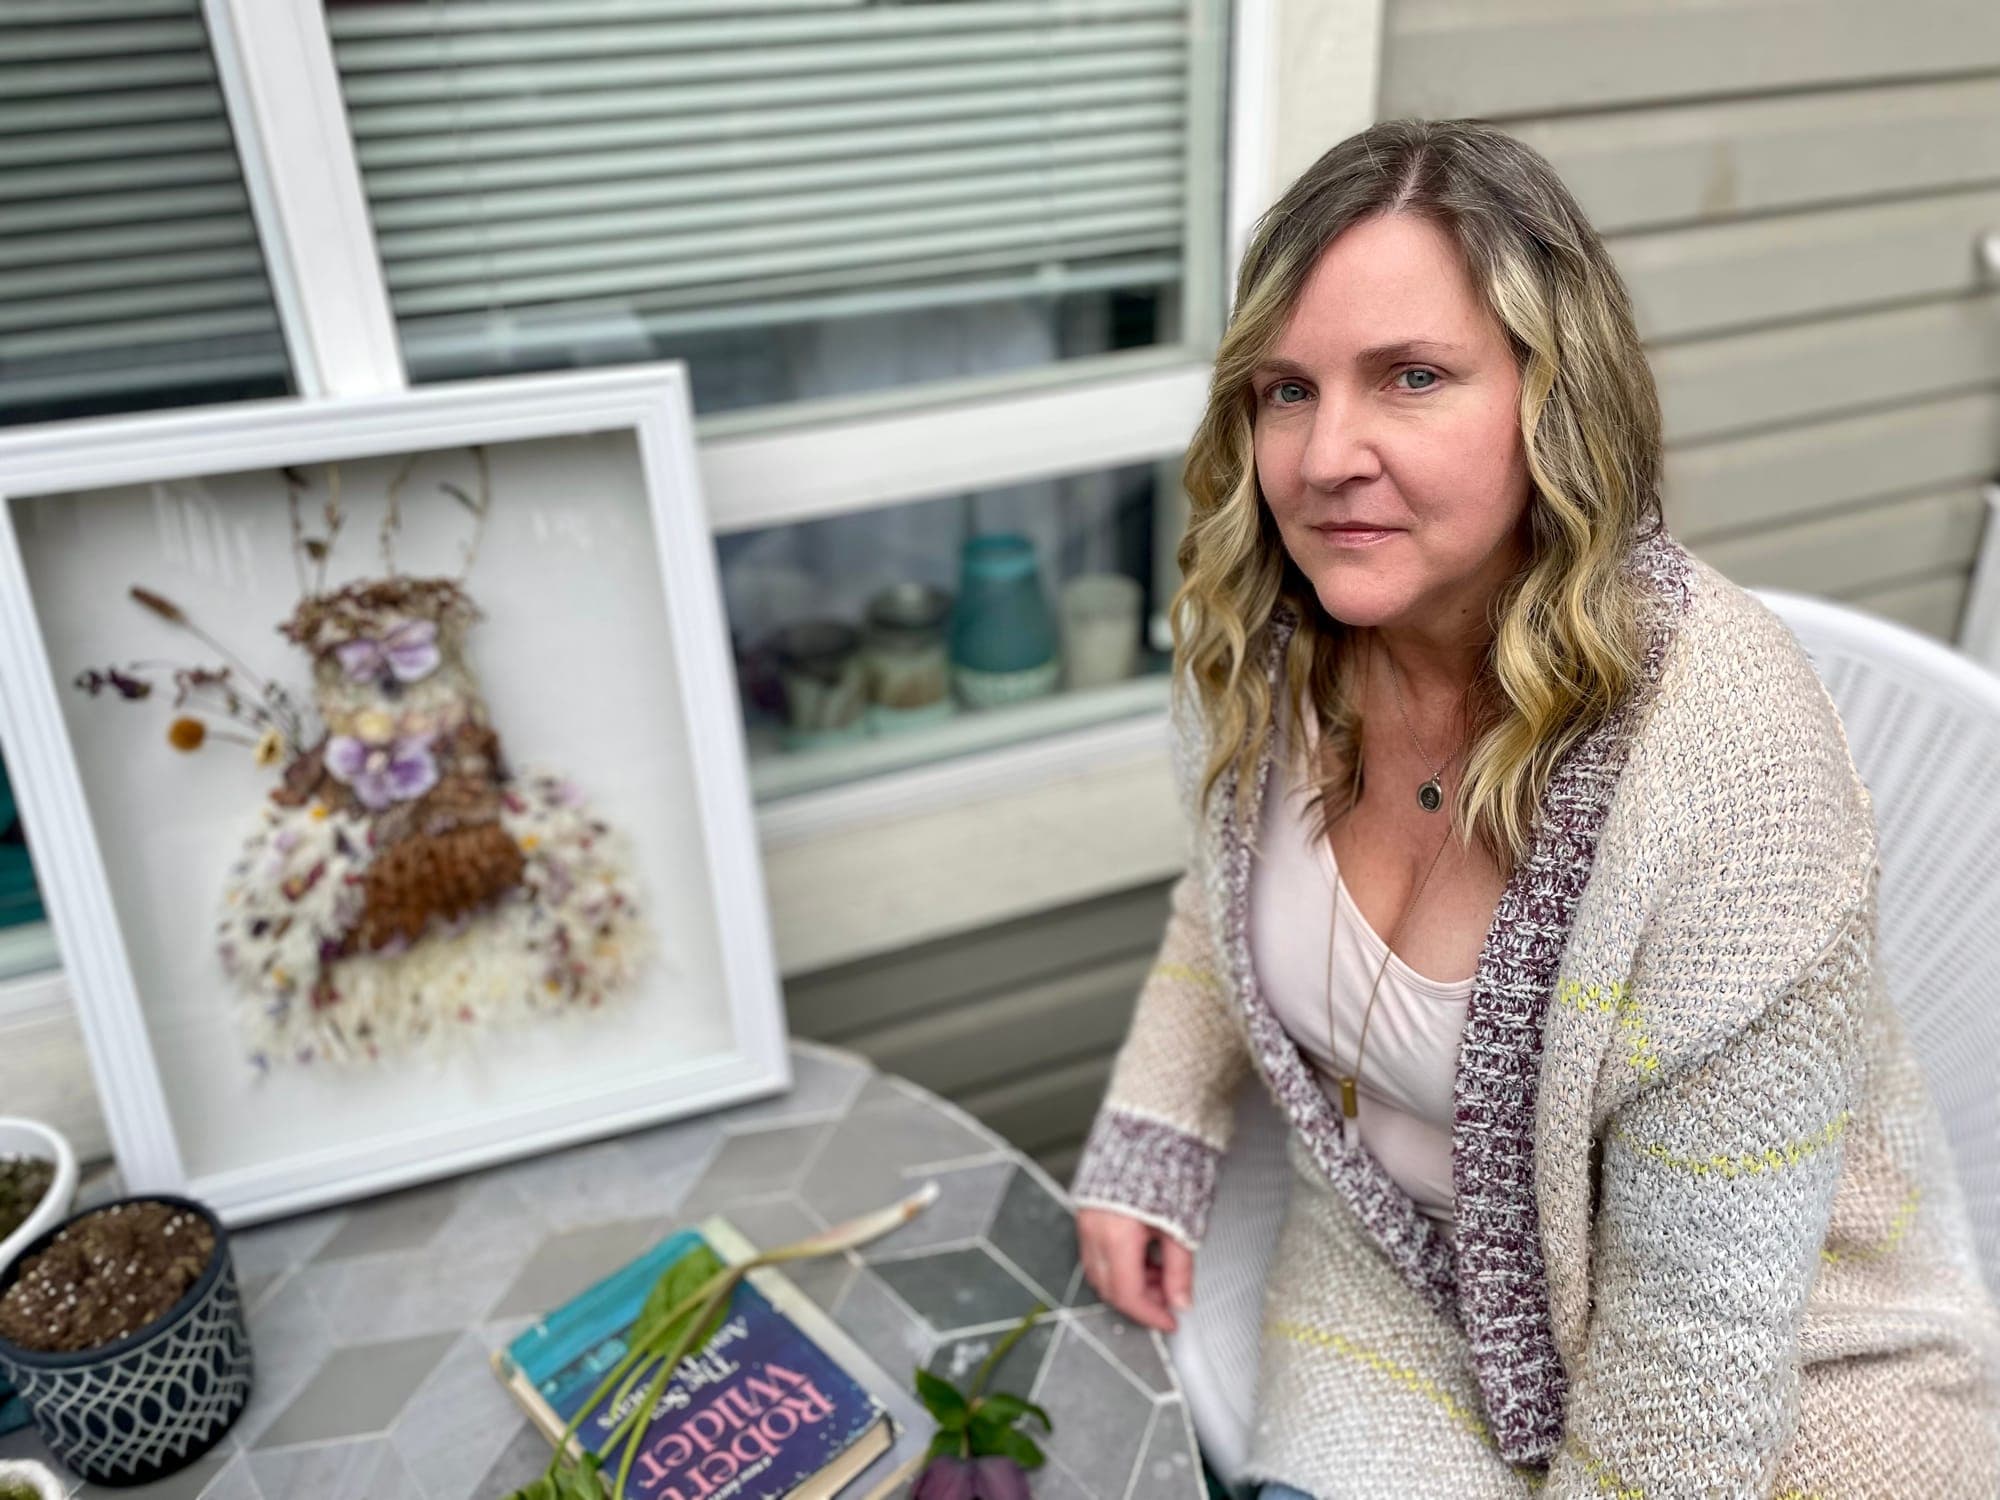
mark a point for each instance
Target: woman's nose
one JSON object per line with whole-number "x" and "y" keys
{"x": 1339, "y": 448}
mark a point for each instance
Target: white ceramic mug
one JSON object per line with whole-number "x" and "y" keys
{"x": 1100, "y": 629}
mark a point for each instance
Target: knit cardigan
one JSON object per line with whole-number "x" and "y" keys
{"x": 1711, "y": 1241}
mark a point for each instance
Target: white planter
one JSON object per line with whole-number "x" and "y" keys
{"x": 37, "y": 1477}
{"x": 20, "y": 1137}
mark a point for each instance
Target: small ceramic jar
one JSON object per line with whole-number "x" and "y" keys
{"x": 1003, "y": 635}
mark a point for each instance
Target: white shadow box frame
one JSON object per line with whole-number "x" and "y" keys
{"x": 601, "y": 652}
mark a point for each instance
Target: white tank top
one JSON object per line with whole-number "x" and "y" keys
{"x": 1404, "y": 1105}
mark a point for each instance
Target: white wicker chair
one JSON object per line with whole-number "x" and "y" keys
{"x": 1924, "y": 726}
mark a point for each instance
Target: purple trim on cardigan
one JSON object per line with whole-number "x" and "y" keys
{"x": 1496, "y": 1286}
{"x": 1148, "y": 1167}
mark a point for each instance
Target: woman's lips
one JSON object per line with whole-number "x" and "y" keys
{"x": 1357, "y": 536}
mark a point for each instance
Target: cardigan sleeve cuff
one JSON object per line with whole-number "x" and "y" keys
{"x": 1150, "y": 1170}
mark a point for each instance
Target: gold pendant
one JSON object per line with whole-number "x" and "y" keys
{"x": 1430, "y": 796}
{"x": 1349, "y": 1105}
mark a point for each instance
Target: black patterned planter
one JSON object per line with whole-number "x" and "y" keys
{"x": 154, "y": 1401}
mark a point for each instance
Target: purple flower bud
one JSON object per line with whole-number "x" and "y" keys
{"x": 996, "y": 1477}
{"x": 945, "y": 1478}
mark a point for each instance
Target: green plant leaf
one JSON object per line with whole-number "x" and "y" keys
{"x": 945, "y": 1445}
{"x": 942, "y": 1399}
{"x": 1011, "y": 1408}
{"x": 677, "y": 1283}
{"x": 1019, "y": 1447}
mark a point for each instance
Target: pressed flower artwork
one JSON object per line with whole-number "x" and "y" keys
{"x": 404, "y": 887}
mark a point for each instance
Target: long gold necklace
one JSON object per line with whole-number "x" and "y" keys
{"x": 1350, "y": 1103}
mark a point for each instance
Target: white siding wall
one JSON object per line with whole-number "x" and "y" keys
{"x": 1794, "y": 193}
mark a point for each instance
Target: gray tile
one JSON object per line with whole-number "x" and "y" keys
{"x": 594, "y": 1183}
{"x": 404, "y": 1220}
{"x": 493, "y": 1217}
{"x": 1100, "y": 1417}
{"x": 913, "y": 1132}
{"x": 954, "y": 1289}
{"x": 755, "y": 1164}
{"x": 524, "y": 1460}
{"x": 235, "y": 1482}
{"x": 967, "y": 1197}
{"x": 885, "y": 1328}
{"x": 1170, "y": 1463}
{"x": 1134, "y": 1349}
{"x": 825, "y": 1278}
{"x": 770, "y": 1222}
{"x": 958, "y": 1360}
{"x": 878, "y": 1155}
{"x": 570, "y": 1263}
{"x": 677, "y": 1151}
{"x": 190, "y": 1483}
{"x": 276, "y": 1247}
{"x": 359, "y": 1390}
{"x": 1035, "y": 1231}
{"x": 457, "y": 1424}
{"x": 823, "y": 1083}
{"x": 1081, "y": 1292}
{"x": 370, "y": 1469}
{"x": 882, "y": 1088}
{"x": 377, "y": 1297}
{"x": 290, "y": 1341}
{"x": 1053, "y": 1481}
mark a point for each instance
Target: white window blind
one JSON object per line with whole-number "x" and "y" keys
{"x": 670, "y": 168}
{"x": 130, "y": 272}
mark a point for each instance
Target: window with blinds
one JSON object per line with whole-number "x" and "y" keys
{"x": 130, "y": 272}
{"x": 800, "y": 197}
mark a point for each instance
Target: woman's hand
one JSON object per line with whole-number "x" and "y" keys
{"x": 1143, "y": 1272}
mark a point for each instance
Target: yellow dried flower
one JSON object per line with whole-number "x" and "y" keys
{"x": 186, "y": 734}
{"x": 374, "y": 726}
{"x": 271, "y": 748}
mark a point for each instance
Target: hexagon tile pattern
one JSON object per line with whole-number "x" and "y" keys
{"x": 372, "y": 1322}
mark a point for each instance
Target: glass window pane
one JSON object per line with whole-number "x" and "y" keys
{"x": 130, "y": 271}
{"x": 871, "y": 642}
{"x": 802, "y": 199}
{"x": 26, "y": 943}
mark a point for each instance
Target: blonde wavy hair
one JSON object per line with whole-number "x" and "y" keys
{"x": 1565, "y": 648}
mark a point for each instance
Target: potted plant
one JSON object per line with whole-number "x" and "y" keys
{"x": 37, "y": 1182}
{"x": 37, "y": 1187}
{"x": 24, "y": 1479}
{"x": 122, "y": 1330}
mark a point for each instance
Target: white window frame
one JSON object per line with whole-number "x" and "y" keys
{"x": 792, "y": 463}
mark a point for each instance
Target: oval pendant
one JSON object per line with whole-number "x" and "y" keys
{"x": 1430, "y": 796}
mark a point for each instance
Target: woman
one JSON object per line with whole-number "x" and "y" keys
{"x": 1614, "y": 1174}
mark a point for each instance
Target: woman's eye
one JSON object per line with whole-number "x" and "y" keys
{"x": 1274, "y": 393}
{"x": 1431, "y": 375}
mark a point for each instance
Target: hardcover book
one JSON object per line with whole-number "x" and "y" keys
{"x": 770, "y": 1408}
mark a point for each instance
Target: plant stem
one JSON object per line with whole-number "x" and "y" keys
{"x": 1000, "y": 1353}
{"x": 667, "y": 1367}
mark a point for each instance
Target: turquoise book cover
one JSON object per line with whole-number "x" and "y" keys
{"x": 756, "y": 1413}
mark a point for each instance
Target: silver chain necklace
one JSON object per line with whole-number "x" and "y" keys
{"x": 1430, "y": 796}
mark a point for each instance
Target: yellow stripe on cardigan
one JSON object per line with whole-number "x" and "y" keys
{"x": 1748, "y": 1164}
{"x": 1602, "y": 1474}
{"x": 1899, "y": 1228}
{"x": 1404, "y": 1376}
{"x": 1204, "y": 978}
{"x": 1617, "y": 998}
{"x": 1610, "y": 1485}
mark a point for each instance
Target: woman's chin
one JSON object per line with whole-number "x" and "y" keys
{"x": 1360, "y": 606}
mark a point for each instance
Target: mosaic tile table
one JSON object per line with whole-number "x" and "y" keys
{"x": 372, "y": 1323}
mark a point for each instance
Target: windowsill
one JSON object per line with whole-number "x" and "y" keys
{"x": 776, "y": 774}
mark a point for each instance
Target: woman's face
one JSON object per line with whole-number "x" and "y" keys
{"x": 1388, "y": 434}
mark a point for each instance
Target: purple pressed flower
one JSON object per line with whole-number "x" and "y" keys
{"x": 944, "y": 1478}
{"x": 996, "y": 1477}
{"x": 382, "y": 774}
{"x": 993, "y": 1477}
{"x": 407, "y": 651}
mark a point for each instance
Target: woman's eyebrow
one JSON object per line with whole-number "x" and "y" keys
{"x": 1375, "y": 354}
